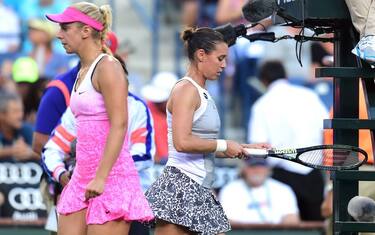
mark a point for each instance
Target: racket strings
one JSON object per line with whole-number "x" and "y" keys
{"x": 332, "y": 158}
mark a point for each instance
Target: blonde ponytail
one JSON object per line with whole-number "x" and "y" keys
{"x": 106, "y": 12}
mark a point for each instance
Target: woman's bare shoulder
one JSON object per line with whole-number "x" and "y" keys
{"x": 185, "y": 93}
{"x": 108, "y": 65}
{"x": 109, "y": 60}
{"x": 184, "y": 86}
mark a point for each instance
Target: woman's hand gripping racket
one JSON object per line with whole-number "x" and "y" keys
{"x": 324, "y": 157}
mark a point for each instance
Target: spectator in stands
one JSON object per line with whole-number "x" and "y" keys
{"x": 257, "y": 198}
{"x": 6, "y": 81}
{"x": 15, "y": 135}
{"x": 50, "y": 62}
{"x": 363, "y": 19}
{"x": 20, "y": 171}
{"x": 29, "y": 85}
{"x": 290, "y": 116}
{"x": 10, "y": 30}
{"x": 37, "y": 9}
{"x": 156, "y": 93}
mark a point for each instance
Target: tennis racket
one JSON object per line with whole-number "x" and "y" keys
{"x": 324, "y": 157}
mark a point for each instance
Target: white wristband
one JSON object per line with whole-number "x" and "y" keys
{"x": 221, "y": 145}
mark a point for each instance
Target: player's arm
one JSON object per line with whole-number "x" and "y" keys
{"x": 110, "y": 81}
{"x": 183, "y": 102}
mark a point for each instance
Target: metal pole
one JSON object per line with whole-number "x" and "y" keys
{"x": 345, "y": 105}
{"x": 155, "y": 36}
{"x": 112, "y": 4}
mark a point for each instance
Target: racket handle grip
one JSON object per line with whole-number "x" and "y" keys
{"x": 256, "y": 152}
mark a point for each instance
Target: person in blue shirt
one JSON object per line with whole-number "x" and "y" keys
{"x": 53, "y": 104}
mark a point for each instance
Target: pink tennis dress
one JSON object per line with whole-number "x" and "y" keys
{"x": 122, "y": 197}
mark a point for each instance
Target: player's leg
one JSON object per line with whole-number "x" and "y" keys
{"x": 110, "y": 228}
{"x": 72, "y": 224}
{"x": 165, "y": 228}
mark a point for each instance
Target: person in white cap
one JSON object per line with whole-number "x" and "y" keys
{"x": 257, "y": 198}
{"x": 157, "y": 93}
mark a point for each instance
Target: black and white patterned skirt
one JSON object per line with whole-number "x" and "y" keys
{"x": 176, "y": 198}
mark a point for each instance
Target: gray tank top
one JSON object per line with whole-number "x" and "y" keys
{"x": 206, "y": 125}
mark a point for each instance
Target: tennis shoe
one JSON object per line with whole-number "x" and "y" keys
{"x": 365, "y": 49}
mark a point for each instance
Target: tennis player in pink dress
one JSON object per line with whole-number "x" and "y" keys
{"x": 104, "y": 194}
{"x": 122, "y": 196}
